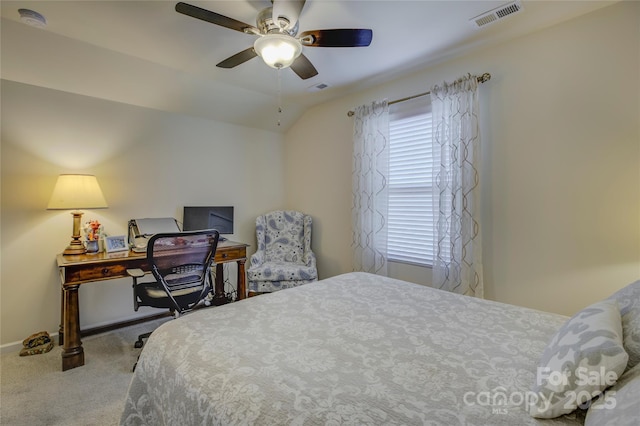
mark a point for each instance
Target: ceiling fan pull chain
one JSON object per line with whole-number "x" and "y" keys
{"x": 279, "y": 95}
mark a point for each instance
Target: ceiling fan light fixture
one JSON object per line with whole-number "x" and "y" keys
{"x": 278, "y": 50}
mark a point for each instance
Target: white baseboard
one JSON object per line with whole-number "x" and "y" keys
{"x": 17, "y": 346}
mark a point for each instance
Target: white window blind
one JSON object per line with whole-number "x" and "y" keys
{"x": 411, "y": 211}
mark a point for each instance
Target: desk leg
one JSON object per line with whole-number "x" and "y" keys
{"x": 61, "y": 326}
{"x": 242, "y": 284}
{"x": 218, "y": 293}
{"x": 72, "y": 351}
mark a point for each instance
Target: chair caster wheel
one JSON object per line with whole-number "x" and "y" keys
{"x": 138, "y": 344}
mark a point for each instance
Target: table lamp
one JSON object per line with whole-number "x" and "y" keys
{"x": 75, "y": 192}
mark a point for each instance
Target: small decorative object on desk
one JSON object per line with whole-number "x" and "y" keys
{"x": 93, "y": 232}
{"x": 117, "y": 243}
{"x": 93, "y": 246}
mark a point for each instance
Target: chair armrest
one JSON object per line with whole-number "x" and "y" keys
{"x": 309, "y": 259}
{"x": 257, "y": 258}
{"x": 135, "y": 273}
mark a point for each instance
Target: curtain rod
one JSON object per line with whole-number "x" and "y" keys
{"x": 481, "y": 79}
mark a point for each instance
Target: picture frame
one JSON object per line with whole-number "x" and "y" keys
{"x": 115, "y": 244}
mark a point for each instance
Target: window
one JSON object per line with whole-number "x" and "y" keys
{"x": 411, "y": 217}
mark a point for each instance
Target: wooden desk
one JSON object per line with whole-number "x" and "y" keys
{"x": 81, "y": 269}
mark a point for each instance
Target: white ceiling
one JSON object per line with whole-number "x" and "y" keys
{"x": 144, "y": 53}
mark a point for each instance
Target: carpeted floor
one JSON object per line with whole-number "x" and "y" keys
{"x": 35, "y": 390}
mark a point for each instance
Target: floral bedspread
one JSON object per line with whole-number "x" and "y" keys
{"x": 355, "y": 349}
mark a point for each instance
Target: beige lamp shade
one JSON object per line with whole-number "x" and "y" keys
{"x": 77, "y": 192}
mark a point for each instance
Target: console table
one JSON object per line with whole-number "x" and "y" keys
{"x": 76, "y": 270}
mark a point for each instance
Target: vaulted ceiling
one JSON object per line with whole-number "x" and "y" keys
{"x": 145, "y": 53}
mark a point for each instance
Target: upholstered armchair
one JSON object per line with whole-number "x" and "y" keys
{"x": 283, "y": 258}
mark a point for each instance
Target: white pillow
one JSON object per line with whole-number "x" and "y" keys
{"x": 584, "y": 357}
{"x": 618, "y": 406}
{"x": 629, "y": 302}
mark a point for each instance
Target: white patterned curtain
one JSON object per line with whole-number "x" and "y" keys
{"x": 456, "y": 135}
{"x": 369, "y": 190}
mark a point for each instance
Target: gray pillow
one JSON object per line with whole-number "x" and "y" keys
{"x": 618, "y": 406}
{"x": 629, "y": 302}
{"x": 584, "y": 357}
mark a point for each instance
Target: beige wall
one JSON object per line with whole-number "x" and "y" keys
{"x": 148, "y": 163}
{"x": 561, "y": 162}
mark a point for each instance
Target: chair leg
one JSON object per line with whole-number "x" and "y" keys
{"x": 139, "y": 343}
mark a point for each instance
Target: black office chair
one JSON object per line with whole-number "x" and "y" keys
{"x": 180, "y": 262}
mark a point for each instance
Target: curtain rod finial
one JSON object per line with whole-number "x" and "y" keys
{"x": 484, "y": 77}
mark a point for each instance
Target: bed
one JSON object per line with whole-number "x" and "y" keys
{"x": 352, "y": 349}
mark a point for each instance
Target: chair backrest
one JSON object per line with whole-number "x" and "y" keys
{"x": 182, "y": 260}
{"x": 284, "y": 235}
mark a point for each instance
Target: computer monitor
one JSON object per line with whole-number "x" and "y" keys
{"x": 213, "y": 217}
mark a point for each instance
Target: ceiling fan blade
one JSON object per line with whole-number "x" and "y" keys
{"x": 289, "y": 9}
{"x": 238, "y": 58}
{"x": 304, "y": 68}
{"x": 337, "y": 38}
{"x": 214, "y": 18}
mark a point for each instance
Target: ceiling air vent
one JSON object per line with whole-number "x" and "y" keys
{"x": 496, "y": 14}
{"x": 318, "y": 87}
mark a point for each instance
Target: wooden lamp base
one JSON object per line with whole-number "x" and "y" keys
{"x": 75, "y": 246}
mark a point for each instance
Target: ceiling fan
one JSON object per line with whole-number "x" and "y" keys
{"x": 277, "y": 28}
